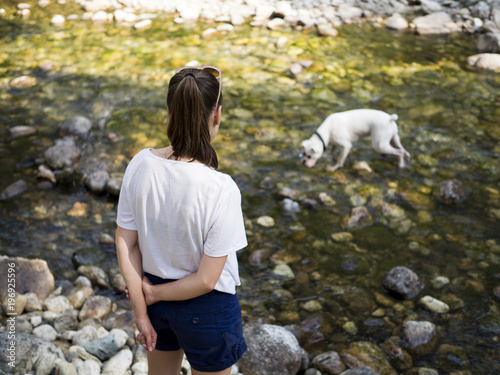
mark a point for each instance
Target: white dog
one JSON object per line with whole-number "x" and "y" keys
{"x": 344, "y": 128}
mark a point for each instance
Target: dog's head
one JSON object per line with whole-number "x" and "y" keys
{"x": 311, "y": 151}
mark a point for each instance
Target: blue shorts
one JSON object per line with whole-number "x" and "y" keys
{"x": 208, "y": 328}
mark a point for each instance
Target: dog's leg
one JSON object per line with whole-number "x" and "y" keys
{"x": 396, "y": 142}
{"x": 386, "y": 148}
{"x": 346, "y": 148}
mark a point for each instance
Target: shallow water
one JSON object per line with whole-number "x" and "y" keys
{"x": 448, "y": 121}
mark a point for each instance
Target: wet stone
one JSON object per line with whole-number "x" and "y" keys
{"x": 95, "y": 274}
{"x": 359, "y": 218}
{"x": 97, "y": 181}
{"x": 78, "y": 126}
{"x": 403, "y": 282}
{"x": 21, "y": 131}
{"x": 364, "y": 353}
{"x": 397, "y": 22}
{"x": 361, "y": 370}
{"x": 434, "y": 305}
{"x": 95, "y": 307}
{"x": 63, "y": 154}
{"x": 329, "y": 363}
{"x": 452, "y": 192}
{"x": 13, "y": 190}
{"x": 418, "y": 333}
{"x": 23, "y": 82}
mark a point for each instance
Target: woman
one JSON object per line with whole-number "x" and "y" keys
{"x": 180, "y": 224}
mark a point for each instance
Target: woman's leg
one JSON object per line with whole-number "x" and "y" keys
{"x": 165, "y": 362}
{"x": 223, "y": 372}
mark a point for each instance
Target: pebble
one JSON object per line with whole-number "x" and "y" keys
{"x": 266, "y": 221}
{"x": 283, "y": 270}
{"x": 45, "y": 331}
{"x": 434, "y": 305}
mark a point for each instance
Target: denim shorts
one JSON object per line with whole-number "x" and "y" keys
{"x": 208, "y": 328}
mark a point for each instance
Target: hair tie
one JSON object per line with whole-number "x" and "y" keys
{"x": 190, "y": 74}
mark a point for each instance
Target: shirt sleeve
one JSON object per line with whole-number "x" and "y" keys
{"x": 227, "y": 232}
{"x": 125, "y": 217}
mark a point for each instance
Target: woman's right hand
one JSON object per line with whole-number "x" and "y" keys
{"x": 147, "y": 334}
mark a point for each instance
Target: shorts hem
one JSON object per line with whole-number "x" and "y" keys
{"x": 166, "y": 348}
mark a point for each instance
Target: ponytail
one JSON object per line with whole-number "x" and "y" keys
{"x": 191, "y": 99}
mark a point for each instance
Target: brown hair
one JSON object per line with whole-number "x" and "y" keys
{"x": 191, "y": 99}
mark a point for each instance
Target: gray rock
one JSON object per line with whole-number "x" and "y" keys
{"x": 57, "y": 304}
{"x": 95, "y": 307}
{"x": 13, "y": 190}
{"x": 118, "y": 364}
{"x": 403, "y": 282}
{"x": 326, "y": 29}
{"x": 66, "y": 322}
{"x": 66, "y": 368}
{"x": 32, "y": 275}
{"x": 97, "y": 181}
{"x": 362, "y": 370}
{"x": 435, "y": 23}
{"x": 63, "y": 154}
{"x": 114, "y": 185}
{"x": 489, "y": 61}
{"x": 480, "y": 10}
{"x": 489, "y": 38}
{"x": 430, "y": 6}
{"x": 21, "y": 131}
{"x": 45, "y": 331}
{"x": 78, "y": 295}
{"x": 29, "y": 349}
{"x": 397, "y": 22}
{"x": 106, "y": 347}
{"x": 95, "y": 274}
{"x": 79, "y": 126}
{"x": 452, "y": 192}
{"x": 434, "y": 305}
{"x": 271, "y": 350}
{"x": 88, "y": 367}
{"x": 84, "y": 335}
{"x": 359, "y": 218}
{"x": 418, "y": 333}
{"x": 329, "y": 363}
{"x": 23, "y": 326}
{"x": 290, "y": 207}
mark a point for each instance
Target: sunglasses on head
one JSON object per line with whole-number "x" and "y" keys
{"x": 216, "y": 72}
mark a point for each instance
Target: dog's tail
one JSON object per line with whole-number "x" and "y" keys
{"x": 394, "y": 117}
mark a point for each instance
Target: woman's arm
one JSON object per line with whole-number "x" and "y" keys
{"x": 194, "y": 285}
{"x": 130, "y": 262}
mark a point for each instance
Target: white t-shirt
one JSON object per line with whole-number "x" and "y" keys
{"x": 181, "y": 211}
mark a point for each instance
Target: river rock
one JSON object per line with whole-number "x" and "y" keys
{"x": 489, "y": 325}
{"x": 45, "y": 331}
{"x": 95, "y": 307}
{"x": 13, "y": 190}
{"x": 403, "y": 282}
{"x": 79, "y": 126}
{"x": 57, "y": 19}
{"x": 430, "y": 6}
{"x": 342, "y": 237}
{"x": 490, "y": 61}
{"x": 417, "y": 333}
{"x": 364, "y": 353}
{"x": 398, "y": 357}
{"x": 33, "y": 303}
{"x": 67, "y": 321}
{"x": 434, "y": 305}
{"x": 63, "y": 154}
{"x": 96, "y": 182}
{"x": 32, "y": 275}
{"x": 78, "y": 295}
{"x": 66, "y": 368}
{"x": 29, "y": 349}
{"x": 46, "y": 173}
{"x": 290, "y": 207}
{"x": 87, "y": 367}
{"x": 118, "y": 364}
{"x": 271, "y": 350}
{"x": 106, "y": 347}
{"x": 23, "y": 82}
{"x": 16, "y": 308}
{"x": 397, "y": 22}
{"x": 489, "y": 37}
{"x": 265, "y": 221}
{"x": 452, "y": 192}
{"x": 21, "y": 131}
{"x": 283, "y": 270}
{"x": 326, "y": 29}
{"x": 362, "y": 370}
{"x": 328, "y": 363}
{"x": 347, "y": 12}
{"x": 114, "y": 185}
{"x": 435, "y": 23}
{"x": 84, "y": 335}
{"x": 57, "y": 304}
{"x": 95, "y": 274}
{"x": 359, "y": 218}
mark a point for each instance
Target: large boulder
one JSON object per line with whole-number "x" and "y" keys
{"x": 24, "y": 353}
{"x": 31, "y": 275}
{"x": 271, "y": 350}
{"x": 435, "y": 23}
{"x": 488, "y": 61}
{"x": 489, "y": 38}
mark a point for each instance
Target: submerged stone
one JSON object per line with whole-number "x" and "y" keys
{"x": 403, "y": 282}
{"x": 13, "y": 190}
{"x": 364, "y": 353}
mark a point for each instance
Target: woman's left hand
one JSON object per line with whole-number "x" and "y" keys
{"x": 147, "y": 334}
